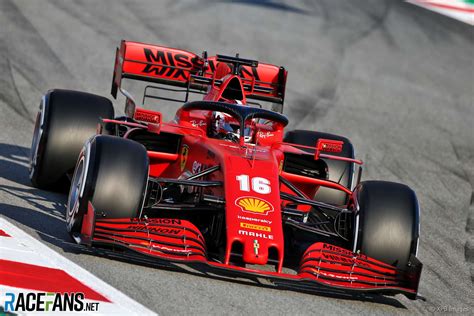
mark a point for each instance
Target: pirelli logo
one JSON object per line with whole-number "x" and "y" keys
{"x": 256, "y": 227}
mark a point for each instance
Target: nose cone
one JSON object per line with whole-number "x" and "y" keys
{"x": 253, "y": 216}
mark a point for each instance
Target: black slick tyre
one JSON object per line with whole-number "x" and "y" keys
{"x": 112, "y": 174}
{"x": 387, "y": 222}
{"x": 66, "y": 119}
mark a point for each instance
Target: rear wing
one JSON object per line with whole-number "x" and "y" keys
{"x": 176, "y": 67}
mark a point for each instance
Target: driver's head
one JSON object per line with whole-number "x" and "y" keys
{"x": 224, "y": 126}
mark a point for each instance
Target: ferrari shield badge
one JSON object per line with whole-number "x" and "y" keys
{"x": 184, "y": 156}
{"x": 255, "y": 247}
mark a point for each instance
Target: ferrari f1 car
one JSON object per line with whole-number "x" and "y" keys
{"x": 222, "y": 184}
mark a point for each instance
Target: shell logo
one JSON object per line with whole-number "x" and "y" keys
{"x": 254, "y": 205}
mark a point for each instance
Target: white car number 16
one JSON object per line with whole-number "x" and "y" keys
{"x": 258, "y": 184}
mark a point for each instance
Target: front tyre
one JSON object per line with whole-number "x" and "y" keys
{"x": 111, "y": 173}
{"x": 387, "y": 222}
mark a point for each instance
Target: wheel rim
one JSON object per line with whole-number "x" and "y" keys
{"x": 35, "y": 143}
{"x": 74, "y": 195}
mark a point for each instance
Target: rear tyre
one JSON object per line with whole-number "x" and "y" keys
{"x": 387, "y": 223}
{"x": 338, "y": 171}
{"x": 111, "y": 173}
{"x": 66, "y": 119}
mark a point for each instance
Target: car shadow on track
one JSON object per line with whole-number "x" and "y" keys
{"x": 14, "y": 163}
{"x": 44, "y": 212}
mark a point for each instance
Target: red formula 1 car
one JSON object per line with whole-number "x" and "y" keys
{"x": 222, "y": 185}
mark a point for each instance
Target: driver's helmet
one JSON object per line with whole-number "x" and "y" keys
{"x": 224, "y": 126}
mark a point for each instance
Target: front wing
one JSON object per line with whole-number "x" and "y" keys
{"x": 322, "y": 265}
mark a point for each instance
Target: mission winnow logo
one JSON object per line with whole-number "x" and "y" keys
{"x": 48, "y": 302}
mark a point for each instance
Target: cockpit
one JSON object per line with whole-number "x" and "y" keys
{"x": 238, "y": 123}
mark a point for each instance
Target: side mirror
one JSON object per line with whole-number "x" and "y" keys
{"x": 327, "y": 145}
{"x": 130, "y": 104}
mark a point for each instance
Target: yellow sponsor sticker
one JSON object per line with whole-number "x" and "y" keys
{"x": 256, "y": 227}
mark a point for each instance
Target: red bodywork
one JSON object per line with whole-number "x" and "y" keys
{"x": 250, "y": 175}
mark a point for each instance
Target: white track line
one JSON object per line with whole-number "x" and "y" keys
{"x": 458, "y": 10}
{"x": 21, "y": 247}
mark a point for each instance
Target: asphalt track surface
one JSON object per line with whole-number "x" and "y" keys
{"x": 396, "y": 79}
